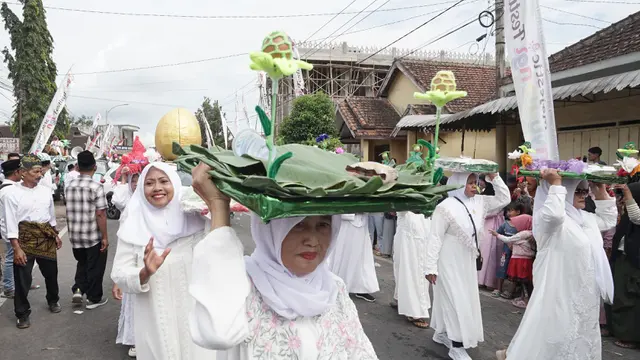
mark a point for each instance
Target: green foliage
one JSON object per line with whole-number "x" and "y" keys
{"x": 310, "y": 116}
{"x": 31, "y": 68}
{"x": 330, "y": 144}
{"x": 213, "y": 113}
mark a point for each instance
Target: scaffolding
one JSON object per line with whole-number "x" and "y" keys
{"x": 342, "y": 71}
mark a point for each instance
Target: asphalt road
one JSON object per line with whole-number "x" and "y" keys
{"x": 91, "y": 334}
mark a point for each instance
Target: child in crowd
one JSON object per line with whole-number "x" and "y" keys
{"x": 520, "y": 269}
{"x": 507, "y": 229}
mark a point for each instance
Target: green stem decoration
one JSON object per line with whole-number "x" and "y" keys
{"x": 435, "y": 140}
{"x": 274, "y": 108}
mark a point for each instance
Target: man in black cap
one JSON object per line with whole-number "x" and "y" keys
{"x": 30, "y": 223}
{"x": 12, "y": 175}
{"x": 87, "y": 224}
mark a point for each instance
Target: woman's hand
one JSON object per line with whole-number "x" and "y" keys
{"x": 625, "y": 191}
{"x": 551, "y": 176}
{"x": 152, "y": 261}
{"x": 116, "y": 292}
{"x": 432, "y": 278}
{"x": 217, "y": 202}
{"x": 493, "y": 232}
{"x": 599, "y": 191}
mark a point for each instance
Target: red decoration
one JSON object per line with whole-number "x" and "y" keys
{"x": 135, "y": 161}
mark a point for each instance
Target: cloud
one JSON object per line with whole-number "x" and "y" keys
{"x": 98, "y": 42}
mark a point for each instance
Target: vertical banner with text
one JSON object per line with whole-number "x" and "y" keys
{"x": 51, "y": 117}
{"x": 531, "y": 76}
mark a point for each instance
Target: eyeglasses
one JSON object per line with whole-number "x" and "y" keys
{"x": 582, "y": 192}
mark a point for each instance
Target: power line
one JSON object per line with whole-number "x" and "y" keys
{"x": 330, "y": 20}
{"x": 124, "y": 101}
{"x": 570, "y": 24}
{"x": 579, "y": 15}
{"x": 358, "y": 22}
{"x": 222, "y": 17}
{"x": 412, "y": 31}
{"x": 136, "y": 91}
{"x": 439, "y": 38}
{"x": 159, "y": 66}
{"x": 606, "y": 2}
{"x": 338, "y": 29}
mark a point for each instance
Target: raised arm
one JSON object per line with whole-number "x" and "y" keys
{"x": 219, "y": 282}
{"x": 494, "y": 204}
{"x": 120, "y": 196}
{"x": 439, "y": 225}
{"x": 522, "y": 236}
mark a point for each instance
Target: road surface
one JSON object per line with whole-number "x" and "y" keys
{"x": 91, "y": 334}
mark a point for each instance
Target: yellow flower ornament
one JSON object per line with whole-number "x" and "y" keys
{"x": 443, "y": 90}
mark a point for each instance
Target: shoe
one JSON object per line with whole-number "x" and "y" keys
{"x": 23, "y": 323}
{"x": 77, "y": 297}
{"x": 442, "y": 339}
{"x": 55, "y": 307}
{"x": 501, "y": 354}
{"x": 459, "y": 354}
{"x": 132, "y": 352}
{"x": 94, "y": 305}
{"x": 8, "y": 294}
{"x": 366, "y": 297}
{"x": 35, "y": 287}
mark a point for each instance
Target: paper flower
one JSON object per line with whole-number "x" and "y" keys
{"x": 339, "y": 150}
{"x": 627, "y": 150}
{"x": 443, "y": 90}
{"x": 515, "y": 155}
{"x": 321, "y": 138}
{"x": 526, "y": 159}
{"x": 628, "y": 164}
{"x": 276, "y": 57}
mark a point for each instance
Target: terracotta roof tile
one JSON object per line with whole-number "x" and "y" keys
{"x": 420, "y": 109}
{"x": 616, "y": 40}
{"x": 369, "y": 117}
{"x": 478, "y": 80}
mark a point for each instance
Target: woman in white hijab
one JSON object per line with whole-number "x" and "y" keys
{"x": 452, "y": 250}
{"x": 282, "y": 302}
{"x": 126, "y": 331}
{"x": 153, "y": 261}
{"x": 570, "y": 275}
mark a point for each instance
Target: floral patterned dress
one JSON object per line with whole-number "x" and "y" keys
{"x": 238, "y": 321}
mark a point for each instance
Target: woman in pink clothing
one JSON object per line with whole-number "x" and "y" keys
{"x": 523, "y": 253}
{"x": 490, "y": 246}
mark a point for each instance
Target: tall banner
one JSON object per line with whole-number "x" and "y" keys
{"x": 51, "y": 117}
{"x": 531, "y": 76}
{"x": 225, "y": 130}
{"x": 298, "y": 80}
{"x": 105, "y": 141}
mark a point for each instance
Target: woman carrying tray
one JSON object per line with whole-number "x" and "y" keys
{"x": 282, "y": 301}
{"x": 452, "y": 265}
{"x": 571, "y": 274}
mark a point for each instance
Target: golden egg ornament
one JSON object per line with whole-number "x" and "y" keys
{"x": 178, "y": 125}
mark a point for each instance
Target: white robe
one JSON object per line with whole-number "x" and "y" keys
{"x": 230, "y": 314}
{"x": 409, "y": 261}
{"x": 352, "y": 259}
{"x": 562, "y": 319}
{"x": 47, "y": 180}
{"x": 162, "y": 305}
{"x": 451, "y": 255}
{"x": 121, "y": 196}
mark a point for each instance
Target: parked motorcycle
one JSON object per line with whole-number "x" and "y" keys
{"x": 112, "y": 211}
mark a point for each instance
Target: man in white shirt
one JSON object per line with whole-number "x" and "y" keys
{"x": 12, "y": 175}
{"x": 72, "y": 174}
{"x": 47, "y": 178}
{"x": 30, "y": 223}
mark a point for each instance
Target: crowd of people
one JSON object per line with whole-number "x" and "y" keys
{"x": 538, "y": 242}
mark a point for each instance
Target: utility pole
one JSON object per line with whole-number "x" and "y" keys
{"x": 21, "y": 145}
{"x": 501, "y": 129}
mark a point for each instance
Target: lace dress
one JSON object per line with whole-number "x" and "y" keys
{"x": 243, "y": 327}
{"x": 562, "y": 319}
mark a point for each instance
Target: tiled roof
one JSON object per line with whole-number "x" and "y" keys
{"x": 5, "y": 131}
{"x": 477, "y": 80}
{"x": 616, "y": 40}
{"x": 368, "y": 117}
{"x": 420, "y": 109}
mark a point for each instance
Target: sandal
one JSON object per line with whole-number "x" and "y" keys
{"x": 393, "y": 304}
{"x": 519, "y": 303}
{"x": 506, "y": 295}
{"x": 625, "y": 345}
{"x": 604, "y": 332}
{"x": 421, "y": 323}
{"x": 495, "y": 293}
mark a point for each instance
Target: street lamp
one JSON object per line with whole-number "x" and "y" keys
{"x": 107, "y": 114}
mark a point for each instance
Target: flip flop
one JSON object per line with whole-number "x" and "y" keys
{"x": 625, "y": 345}
{"x": 495, "y": 293}
{"x": 421, "y": 323}
{"x": 519, "y": 303}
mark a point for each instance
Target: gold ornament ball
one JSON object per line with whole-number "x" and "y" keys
{"x": 178, "y": 125}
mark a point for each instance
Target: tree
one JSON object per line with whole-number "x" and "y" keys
{"x": 64, "y": 125}
{"x": 31, "y": 68}
{"x": 311, "y": 116}
{"x": 213, "y": 113}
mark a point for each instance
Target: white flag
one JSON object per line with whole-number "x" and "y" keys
{"x": 531, "y": 76}
{"x": 51, "y": 117}
{"x": 96, "y": 122}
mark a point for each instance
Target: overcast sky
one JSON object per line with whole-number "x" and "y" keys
{"x": 98, "y": 42}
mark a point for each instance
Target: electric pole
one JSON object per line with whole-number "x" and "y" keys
{"x": 501, "y": 129}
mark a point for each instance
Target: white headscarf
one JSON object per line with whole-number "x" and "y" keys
{"x": 288, "y": 295}
{"x": 474, "y": 204}
{"x": 165, "y": 225}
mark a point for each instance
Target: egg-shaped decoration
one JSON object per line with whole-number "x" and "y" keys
{"x": 178, "y": 125}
